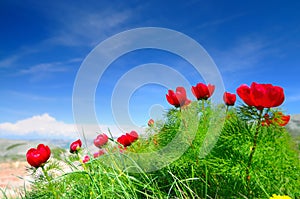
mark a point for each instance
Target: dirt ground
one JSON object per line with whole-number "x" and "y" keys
{"x": 13, "y": 177}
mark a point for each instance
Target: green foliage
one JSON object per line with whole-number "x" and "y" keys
{"x": 275, "y": 168}
{"x": 97, "y": 179}
{"x": 214, "y": 150}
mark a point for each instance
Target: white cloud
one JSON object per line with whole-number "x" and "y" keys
{"x": 41, "y": 125}
{"x": 44, "y": 125}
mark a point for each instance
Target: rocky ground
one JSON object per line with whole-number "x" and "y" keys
{"x": 13, "y": 178}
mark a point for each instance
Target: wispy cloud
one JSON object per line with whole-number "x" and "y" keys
{"x": 44, "y": 68}
{"x": 30, "y": 96}
{"x": 12, "y": 60}
{"x": 220, "y": 21}
{"x": 78, "y": 27}
{"x": 294, "y": 98}
{"x": 51, "y": 67}
{"x": 243, "y": 55}
{"x": 88, "y": 27}
{"x": 7, "y": 62}
{"x": 42, "y": 71}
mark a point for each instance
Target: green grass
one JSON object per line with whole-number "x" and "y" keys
{"x": 198, "y": 152}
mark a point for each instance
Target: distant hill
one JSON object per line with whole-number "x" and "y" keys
{"x": 14, "y": 149}
{"x": 294, "y": 126}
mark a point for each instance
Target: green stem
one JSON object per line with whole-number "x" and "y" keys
{"x": 49, "y": 182}
{"x": 252, "y": 152}
{"x": 203, "y": 103}
{"x": 206, "y": 182}
{"x": 81, "y": 161}
{"x": 46, "y": 175}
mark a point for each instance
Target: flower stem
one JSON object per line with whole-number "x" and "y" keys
{"x": 46, "y": 174}
{"x": 49, "y": 182}
{"x": 81, "y": 161}
{"x": 203, "y": 104}
{"x": 252, "y": 152}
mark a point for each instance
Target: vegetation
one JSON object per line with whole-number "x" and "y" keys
{"x": 200, "y": 150}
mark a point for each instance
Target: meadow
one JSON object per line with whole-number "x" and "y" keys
{"x": 199, "y": 150}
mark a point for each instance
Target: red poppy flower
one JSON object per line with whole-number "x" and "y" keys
{"x": 177, "y": 98}
{"x": 202, "y": 91}
{"x": 229, "y": 98}
{"x": 261, "y": 95}
{"x": 37, "y": 157}
{"x": 75, "y": 146}
{"x": 124, "y": 140}
{"x": 101, "y": 140}
{"x": 128, "y": 138}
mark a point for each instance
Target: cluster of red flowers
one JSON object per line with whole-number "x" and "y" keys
{"x": 257, "y": 95}
{"x": 200, "y": 91}
{"x": 101, "y": 140}
{"x": 37, "y": 157}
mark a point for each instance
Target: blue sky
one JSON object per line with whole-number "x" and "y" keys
{"x": 43, "y": 45}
